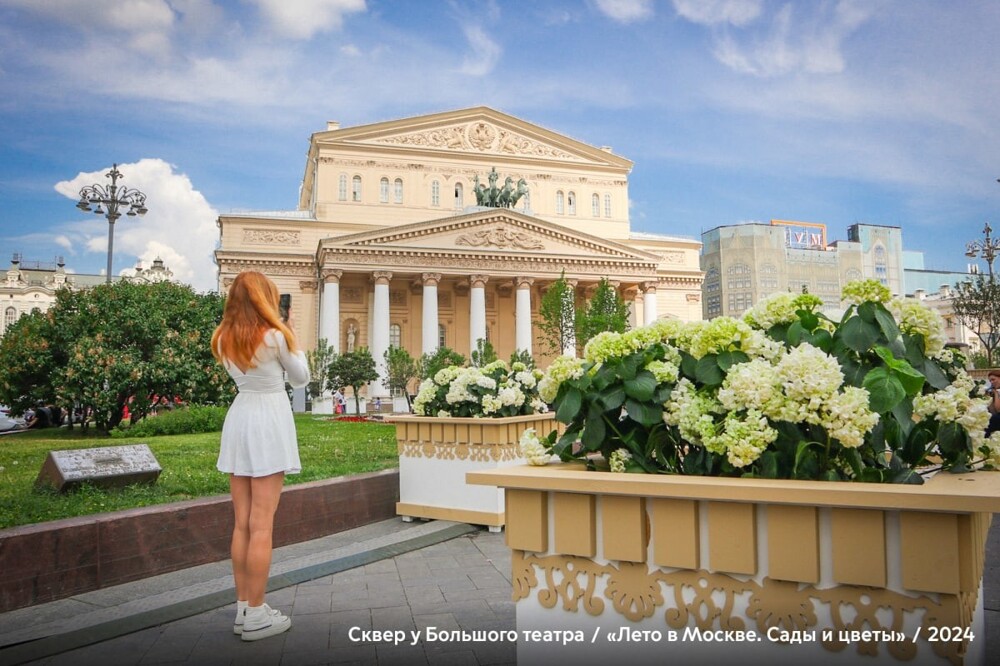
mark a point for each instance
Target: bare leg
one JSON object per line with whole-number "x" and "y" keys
{"x": 265, "y": 492}
{"x": 239, "y": 487}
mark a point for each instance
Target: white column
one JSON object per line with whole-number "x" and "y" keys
{"x": 569, "y": 343}
{"x": 522, "y": 314}
{"x": 380, "y": 331}
{"x": 477, "y": 310}
{"x": 649, "y": 303}
{"x": 329, "y": 318}
{"x": 430, "y": 316}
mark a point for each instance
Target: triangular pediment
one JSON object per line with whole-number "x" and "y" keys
{"x": 497, "y": 231}
{"x": 476, "y": 131}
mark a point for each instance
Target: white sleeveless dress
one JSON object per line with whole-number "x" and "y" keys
{"x": 258, "y": 437}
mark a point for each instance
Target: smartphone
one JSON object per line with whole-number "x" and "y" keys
{"x": 284, "y": 303}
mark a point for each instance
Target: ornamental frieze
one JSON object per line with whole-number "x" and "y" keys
{"x": 709, "y": 602}
{"x": 501, "y": 237}
{"x": 516, "y": 264}
{"x": 267, "y": 268}
{"x": 452, "y": 451}
{"x": 672, "y": 257}
{"x": 481, "y": 136}
{"x": 270, "y": 237}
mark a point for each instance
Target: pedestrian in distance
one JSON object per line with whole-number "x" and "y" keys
{"x": 258, "y": 446}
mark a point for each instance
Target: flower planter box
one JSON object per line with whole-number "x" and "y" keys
{"x": 703, "y": 570}
{"x": 436, "y": 453}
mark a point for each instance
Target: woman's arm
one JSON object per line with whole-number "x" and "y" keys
{"x": 295, "y": 365}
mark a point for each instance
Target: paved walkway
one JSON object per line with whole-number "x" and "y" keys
{"x": 387, "y": 576}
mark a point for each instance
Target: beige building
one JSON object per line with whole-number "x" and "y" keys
{"x": 390, "y": 244}
{"x": 33, "y": 285}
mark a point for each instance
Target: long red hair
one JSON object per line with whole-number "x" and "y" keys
{"x": 251, "y": 310}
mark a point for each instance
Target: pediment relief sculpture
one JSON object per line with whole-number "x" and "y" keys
{"x": 480, "y": 136}
{"x": 501, "y": 237}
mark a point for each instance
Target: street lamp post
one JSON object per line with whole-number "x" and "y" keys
{"x": 113, "y": 198}
{"x": 988, "y": 249}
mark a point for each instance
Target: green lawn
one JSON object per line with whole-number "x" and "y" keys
{"x": 327, "y": 449}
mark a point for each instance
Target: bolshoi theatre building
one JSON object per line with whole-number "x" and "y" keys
{"x": 442, "y": 229}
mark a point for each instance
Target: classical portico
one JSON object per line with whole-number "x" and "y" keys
{"x": 392, "y": 244}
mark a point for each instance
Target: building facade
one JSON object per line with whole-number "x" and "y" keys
{"x": 33, "y": 285}
{"x": 396, "y": 242}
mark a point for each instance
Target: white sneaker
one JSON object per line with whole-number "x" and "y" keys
{"x": 238, "y": 622}
{"x": 263, "y": 621}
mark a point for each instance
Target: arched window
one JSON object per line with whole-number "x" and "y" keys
{"x": 459, "y": 197}
{"x": 881, "y": 265}
{"x": 398, "y": 190}
{"x": 395, "y": 335}
{"x": 383, "y": 190}
{"x": 559, "y": 202}
{"x": 342, "y": 190}
{"x": 595, "y": 205}
{"x": 356, "y": 189}
{"x": 435, "y": 193}
{"x": 571, "y": 203}
{"x": 607, "y": 205}
{"x": 442, "y": 337}
{"x": 9, "y": 317}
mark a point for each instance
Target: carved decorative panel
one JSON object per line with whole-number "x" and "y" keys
{"x": 270, "y": 237}
{"x": 397, "y": 297}
{"x": 501, "y": 237}
{"x": 351, "y": 295}
{"x": 483, "y": 137}
{"x": 444, "y": 299}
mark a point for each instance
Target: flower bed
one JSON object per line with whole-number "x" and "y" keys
{"x": 783, "y": 393}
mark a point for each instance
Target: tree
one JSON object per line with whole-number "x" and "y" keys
{"x": 114, "y": 345}
{"x": 977, "y": 306}
{"x": 401, "y": 369}
{"x": 483, "y": 354}
{"x": 354, "y": 369}
{"x": 522, "y": 356}
{"x": 442, "y": 358}
{"x": 606, "y": 312}
{"x": 557, "y": 317}
{"x": 319, "y": 365}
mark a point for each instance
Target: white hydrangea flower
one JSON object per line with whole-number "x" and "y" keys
{"x": 532, "y": 448}
{"x": 619, "y": 457}
{"x": 915, "y": 317}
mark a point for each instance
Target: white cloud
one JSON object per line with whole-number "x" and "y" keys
{"x": 794, "y": 40}
{"x": 485, "y": 52}
{"x": 350, "y": 50}
{"x": 179, "y": 227}
{"x": 713, "y": 12}
{"x": 626, "y": 11}
{"x": 63, "y": 241}
{"x": 302, "y": 19}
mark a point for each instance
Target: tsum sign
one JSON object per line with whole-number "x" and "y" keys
{"x": 803, "y": 235}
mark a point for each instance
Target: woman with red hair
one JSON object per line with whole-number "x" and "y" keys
{"x": 259, "y": 443}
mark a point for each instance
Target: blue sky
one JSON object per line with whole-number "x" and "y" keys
{"x": 885, "y": 112}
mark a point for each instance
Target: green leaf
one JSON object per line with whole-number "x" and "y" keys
{"x": 911, "y": 380}
{"x": 903, "y": 415}
{"x": 769, "y": 465}
{"x": 885, "y": 390}
{"x": 641, "y": 387}
{"x": 867, "y": 310}
{"x": 935, "y": 375}
{"x": 593, "y": 433}
{"x": 795, "y": 334}
{"x": 689, "y": 365}
{"x": 569, "y": 405}
{"x": 629, "y": 366}
{"x": 708, "y": 371}
{"x": 858, "y": 334}
{"x": 853, "y": 458}
{"x": 952, "y": 440}
{"x": 697, "y": 463}
{"x": 808, "y": 319}
{"x": 612, "y": 397}
{"x": 854, "y": 371}
{"x": 778, "y": 332}
{"x": 890, "y": 330}
{"x": 821, "y": 339}
{"x": 806, "y": 462}
{"x": 728, "y": 359}
{"x": 915, "y": 446}
{"x": 644, "y": 413}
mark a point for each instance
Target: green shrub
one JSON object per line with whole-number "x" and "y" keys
{"x": 183, "y": 421}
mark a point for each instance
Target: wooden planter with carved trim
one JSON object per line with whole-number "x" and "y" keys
{"x": 751, "y": 570}
{"x": 435, "y": 453}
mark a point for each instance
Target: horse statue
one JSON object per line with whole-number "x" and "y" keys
{"x": 503, "y": 200}
{"x": 480, "y": 191}
{"x": 493, "y": 192}
{"x": 519, "y": 191}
